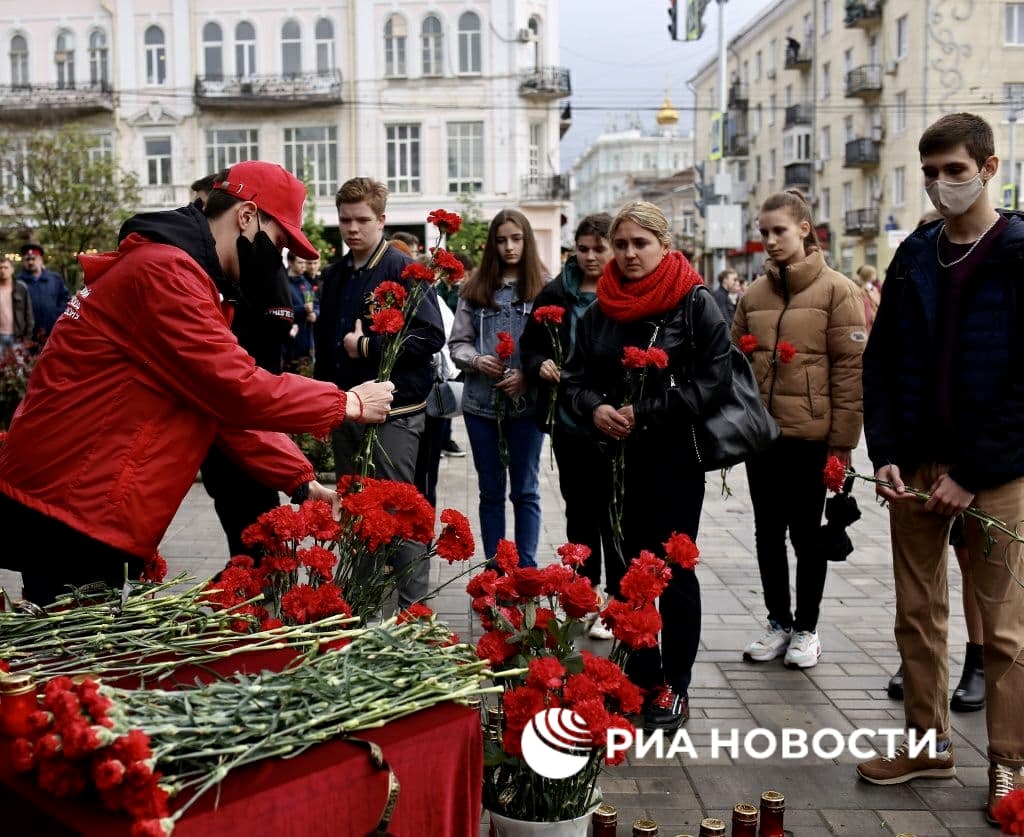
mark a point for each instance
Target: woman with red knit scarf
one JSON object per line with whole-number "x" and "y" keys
{"x": 642, "y": 301}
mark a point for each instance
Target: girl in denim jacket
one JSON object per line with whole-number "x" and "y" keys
{"x": 496, "y": 403}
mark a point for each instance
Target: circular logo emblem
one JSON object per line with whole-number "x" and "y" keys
{"x": 557, "y": 743}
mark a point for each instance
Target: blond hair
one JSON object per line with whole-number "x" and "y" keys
{"x": 647, "y": 215}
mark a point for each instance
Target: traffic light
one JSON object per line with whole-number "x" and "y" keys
{"x": 673, "y": 19}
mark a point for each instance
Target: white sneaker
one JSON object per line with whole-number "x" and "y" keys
{"x": 773, "y": 644}
{"x": 599, "y": 630}
{"x": 804, "y": 650}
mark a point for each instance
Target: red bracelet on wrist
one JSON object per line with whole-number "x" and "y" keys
{"x": 361, "y": 405}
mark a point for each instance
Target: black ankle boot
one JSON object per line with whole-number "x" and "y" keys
{"x": 895, "y": 687}
{"x": 969, "y": 695}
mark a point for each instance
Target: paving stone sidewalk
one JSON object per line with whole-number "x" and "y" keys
{"x": 845, "y": 691}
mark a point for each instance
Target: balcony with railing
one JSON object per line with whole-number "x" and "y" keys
{"x": 545, "y": 83}
{"x": 739, "y": 96}
{"x": 163, "y": 196}
{"x": 802, "y": 114}
{"x": 737, "y": 144}
{"x": 861, "y": 222}
{"x": 54, "y": 102}
{"x": 799, "y": 56}
{"x": 864, "y": 81}
{"x": 862, "y": 14}
{"x": 269, "y": 91}
{"x": 862, "y": 153}
{"x": 796, "y": 175}
{"x": 544, "y": 188}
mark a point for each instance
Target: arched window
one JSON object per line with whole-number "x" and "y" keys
{"x": 99, "y": 67}
{"x": 19, "y": 61}
{"x": 433, "y": 46}
{"x": 534, "y": 26}
{"x": 291, "y": 48}
{"x": 324, "y": 46}
{"x": 213, "y": 51}
{"x": 156, "y": 55}
{"x": 394, "y": 46}
{"x": 64, "y": 59}
{"x": 245, "y": 50}
{"x": 469, "y": 43}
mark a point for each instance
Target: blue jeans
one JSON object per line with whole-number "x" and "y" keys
{"x": 524, "y": 441}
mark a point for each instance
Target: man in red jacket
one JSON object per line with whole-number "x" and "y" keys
{"x": 142, "y": 373}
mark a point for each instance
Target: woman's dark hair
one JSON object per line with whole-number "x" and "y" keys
{"x": 794, "y": 201}
{"x": 480, "y": 288}
{"x": 597, "y": 224}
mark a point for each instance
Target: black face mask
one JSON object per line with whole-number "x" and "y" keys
{"x": 259, "y": 268}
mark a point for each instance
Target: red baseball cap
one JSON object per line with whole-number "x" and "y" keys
{"x": 275, "y": 191}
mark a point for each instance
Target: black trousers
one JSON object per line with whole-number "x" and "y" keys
{"x": 237, "y": 498}
{"x": 584, "y": 478}
{"x": 52, "y": 556}
{"x": 436, "y": 431}
{"x": 664, "y": 494}
{"x": 788, "y": 494}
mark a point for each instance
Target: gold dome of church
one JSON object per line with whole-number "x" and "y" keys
{"x": 668, "y": 115}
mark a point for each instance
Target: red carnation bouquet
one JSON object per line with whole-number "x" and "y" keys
{"x": 551, "y": 316}
{"x": 531, "y": 618}
{"x": 637, "y": 364}
{"x": 504, "y": 350}
{"x": 314, "y": 567}
{"x": 395, "y": 304}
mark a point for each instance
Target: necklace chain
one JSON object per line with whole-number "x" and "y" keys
{"x": 977, "y": 241}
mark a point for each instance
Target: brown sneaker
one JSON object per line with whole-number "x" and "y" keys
{"x": 902, "y": 768}
{"x": 1001, "y": 781}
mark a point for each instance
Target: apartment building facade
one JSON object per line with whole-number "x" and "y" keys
{"x": 831, "y": 96}
{"x": 440, "y": 100}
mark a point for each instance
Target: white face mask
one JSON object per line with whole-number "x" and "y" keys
{"x": 954, "y": 199}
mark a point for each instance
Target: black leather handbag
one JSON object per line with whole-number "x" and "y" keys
{"x": 741, "y": 425}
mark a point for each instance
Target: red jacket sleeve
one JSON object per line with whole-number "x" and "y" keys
{"x": 272, "y": 459}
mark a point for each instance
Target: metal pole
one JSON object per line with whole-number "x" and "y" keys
{"x": 718, "y": 264}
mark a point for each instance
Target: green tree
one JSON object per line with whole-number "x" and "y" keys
{"x": 61, "y": 188}
{"x": 313, "y": 227}
{"x": 472, "y": 236}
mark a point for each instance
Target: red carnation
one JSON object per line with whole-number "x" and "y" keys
{"x": 578, "y": 598}
{"x": 389, "y": 295}
{"x": 658, "y": 358}
{"x": 320, "y": 561}
{"x": 633, "y": 357}
{"x": 545, "y": 673}
{"x": 320, "y": 522}
{"x": 748, "y": 343}
{"x": 574, "y": 554}
{"x": 834, "y": 475}
{"x": 446, "y": 262}
{"x": 107, "y": 773}
{"x": 520, "y": 705}
{"x": 645, "y": 578}
{"x": 447, "y": 222}
{"x": 299, "y": 604}
{"x": 23, "y": 757}
{"x": 549, "y": 314}
{"x": 1009, "y": 812}
{"x": 417, "y": 610}
{"x": 455, "y": 543}
{"x": 680, "y": 549}
{"x": 506, "y": 346}
{"x": 785, "y": 351}
{"x": 482, "y": 584}
{"x": 387, "y": 321}
{"x": 635, "y": 628}
{"x": 494, "y": 647}
{"x": 507, "y": 556}
{"x": 529, "y": 581}
{"x": 418, "y": 272}
{"x": 154, "y": 568}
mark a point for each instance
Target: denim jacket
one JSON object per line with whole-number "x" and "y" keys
{"x": 475, "y": 333}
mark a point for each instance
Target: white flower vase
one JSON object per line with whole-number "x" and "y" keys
{"x": 507, "y": 827}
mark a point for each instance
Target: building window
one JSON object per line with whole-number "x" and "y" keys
{"x": 825, "y": 206}
{"x": 156, "y": 56}
{"x": 826, "y": 80}
{"x": 158, "y": 161}
{"x": 19, "y": 61}
{"x": 213, "y": 52}
{"x": 245, "y": 50}
{"x": 324, "y": 33}
{"x": 102, "y": 150}
{"x": 899, "y": 186}
{"x": 757, "y": 119}
{"x": 403, "y": 152}
{"x": 826, "y": 16}
{"x": 771, "y": 164}
{"x": 99, "y": 72}
{"x": 773, "y": 48}
{"x": 825, "y": 143}
{"x": 1013, "y": 94}
{"x": 745, "y": 72}
{"x": 772, "y": 104}
{"x": 465, "y": 157}
{"x": 227, "y": 146}
{"x": 847, "y": 197}
{"x": 757, "y": 65}
{"x": 291, "y": 49}
{"x": 847, "y": 62}
{"x": 64, "y": 59}
{"x": 757, "y": 169}
{"x": 433, "y": 46}
{"x": 902, "y": 36}
{"x": 311, "y": 154}
{"x": 469, "y": 43}
{"x": 1015, "y": 24}
{"x": 394, "y": 46}
{"x": 899, "y": 118}
{"x": 534, "y": 163}
{"x": 789, "y": 95}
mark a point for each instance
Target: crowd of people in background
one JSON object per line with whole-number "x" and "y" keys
{"x": 944, "y": 354}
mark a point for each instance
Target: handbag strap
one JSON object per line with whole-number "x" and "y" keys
{"x": 688, "y": 323}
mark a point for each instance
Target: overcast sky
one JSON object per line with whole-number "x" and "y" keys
{"x": 621, "y": 59}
